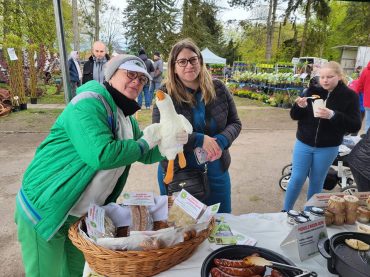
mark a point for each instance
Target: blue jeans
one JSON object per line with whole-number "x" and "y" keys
{"x": 148, "y": 98}
{"x": 312, "y": 162}
{"x": 367, "y": 119}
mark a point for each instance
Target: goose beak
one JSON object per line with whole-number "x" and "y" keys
{"x": 160, "y": 95}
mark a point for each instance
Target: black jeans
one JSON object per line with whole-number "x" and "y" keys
{"x": 363, "y": 184}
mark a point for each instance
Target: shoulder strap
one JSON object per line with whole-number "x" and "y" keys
{"x": 91, "y": 94}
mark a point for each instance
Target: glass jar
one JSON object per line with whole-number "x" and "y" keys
{"x": 305, "y": 214}
{"x": 316, "y": 213}
{"x": 300, "y": 219}
{"x": 291, "y": 215}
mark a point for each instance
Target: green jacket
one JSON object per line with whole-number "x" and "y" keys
{"x": 80, "y": 143}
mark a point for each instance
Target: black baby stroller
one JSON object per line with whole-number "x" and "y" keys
{"x": 339, "y": 172}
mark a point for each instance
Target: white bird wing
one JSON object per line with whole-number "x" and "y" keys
{"x": 186, "y": 124}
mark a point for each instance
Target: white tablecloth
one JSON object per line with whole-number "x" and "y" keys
{"x": 269, "y": 230}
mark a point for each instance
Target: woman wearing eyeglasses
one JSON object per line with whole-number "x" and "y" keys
{"x": 210, "y": 108}
{"x": 85, "y": 159}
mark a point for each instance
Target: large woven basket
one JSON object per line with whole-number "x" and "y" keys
{"x": 134, "y": 263}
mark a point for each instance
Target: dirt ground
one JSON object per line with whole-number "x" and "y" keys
{"x": 258, "y": 155}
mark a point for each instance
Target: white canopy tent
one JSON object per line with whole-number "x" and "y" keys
{"x": 210, "y": 57}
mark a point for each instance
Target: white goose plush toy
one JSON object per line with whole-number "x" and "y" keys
{"x": 171, "y": 123}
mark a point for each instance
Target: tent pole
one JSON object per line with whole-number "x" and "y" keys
{"x": 62, "y": 49}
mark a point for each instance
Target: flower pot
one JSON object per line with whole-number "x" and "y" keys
{"x": 33, "y": 100}
{"x": 23, "y": 106}
{"x": 16, "y": 109}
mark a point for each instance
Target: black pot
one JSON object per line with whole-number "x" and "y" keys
{"x": 23, "y": 106}
{"x": 237, "y": 252}
{"x": 342, "y": 259}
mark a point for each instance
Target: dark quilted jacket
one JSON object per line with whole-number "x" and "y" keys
{"x": 359, "y": 158}
{"x": 224, "y": 112}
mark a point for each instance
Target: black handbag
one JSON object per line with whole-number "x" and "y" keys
{"x": 193, "y": 180}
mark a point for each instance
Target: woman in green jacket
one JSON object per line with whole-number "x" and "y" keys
{"x": 85, "y": 159}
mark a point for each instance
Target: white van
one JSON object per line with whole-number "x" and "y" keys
{"x": 312, "y": 60}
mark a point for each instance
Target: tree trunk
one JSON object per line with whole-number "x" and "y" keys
{"x": 305, "y": 28}
{"x": 97, "y": 8}
{"x": 268, "y": 35}
{"x": 76, "y": 31}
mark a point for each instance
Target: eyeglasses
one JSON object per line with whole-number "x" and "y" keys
{"x": 132, "y": 75}
{"x": 184, "y": 62}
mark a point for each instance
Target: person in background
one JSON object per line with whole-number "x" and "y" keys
{"x": 210, "y": 108}
{"x": 85, "y": 159}
{"x": 157, "y": 75}
{"x": 353, "y": 85}
{"x": 75, "y": 74}
{"x": 363, "y": 85}
{"x": 359, "y": 163}
{"x": 93, "y": 68}
{"x": 318, "y": 138}
{"x": 146, "y": 88}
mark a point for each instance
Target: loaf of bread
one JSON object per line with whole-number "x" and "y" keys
{"x": 140, "y": 218}
{"x": 336, "y": 205}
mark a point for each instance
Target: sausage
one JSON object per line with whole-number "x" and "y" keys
{"x": 230, "y": 263}
{"x": 216, "y": 272}
{"x": 245, "y": 272}
{"x": 276, "y": 273}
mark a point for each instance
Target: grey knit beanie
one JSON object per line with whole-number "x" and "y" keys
{"x": 124, "y": 61}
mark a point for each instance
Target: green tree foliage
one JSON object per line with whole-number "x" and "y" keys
{"x": 33, "y": 20}
{"x": 231, "y": 52}
{"x": 254, "y": 37}
{"x": 200, "y": 24}
{"x": 150, "y": 25}
{"x": 90, "y": 11}
{"x": 311, "y": 8}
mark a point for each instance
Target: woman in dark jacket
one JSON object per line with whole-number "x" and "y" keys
{"x": 319, "y": 135}
{"x": 359, "y": 163}
{"x": 75, "y": 74}
{"x": 210, "y": 108}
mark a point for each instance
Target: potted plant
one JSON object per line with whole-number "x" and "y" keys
{"x": 16, "y": 81}
{"x": 33, "y": 74}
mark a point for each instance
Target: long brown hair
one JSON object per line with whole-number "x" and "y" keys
{"x": 175, "y": 88}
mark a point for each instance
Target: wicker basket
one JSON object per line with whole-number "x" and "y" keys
{"x": 134, "y": 263}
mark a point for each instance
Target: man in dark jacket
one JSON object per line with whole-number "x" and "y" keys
{"x": 93, "y": 68}
{"x": 150, "y": 69}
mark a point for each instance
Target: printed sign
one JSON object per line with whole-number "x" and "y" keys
{"x": 138, "y": 198}
{"x": 306, "y": 236}
{"x": 189, "y": 204}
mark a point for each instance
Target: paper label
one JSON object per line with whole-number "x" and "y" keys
{"x": 95, "y": 221}
{"x": 306, "y": 236}
{"x": 189, "y": 204}
{"x": 12, "y": 54}
{"x": 138, "y": 198}
{"x": 242, "y": 239}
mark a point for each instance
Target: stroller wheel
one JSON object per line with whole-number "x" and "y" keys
{"x": 350, "y": 189}
{"x": 286, "y": 169}
{"x": 284, "y": 181}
